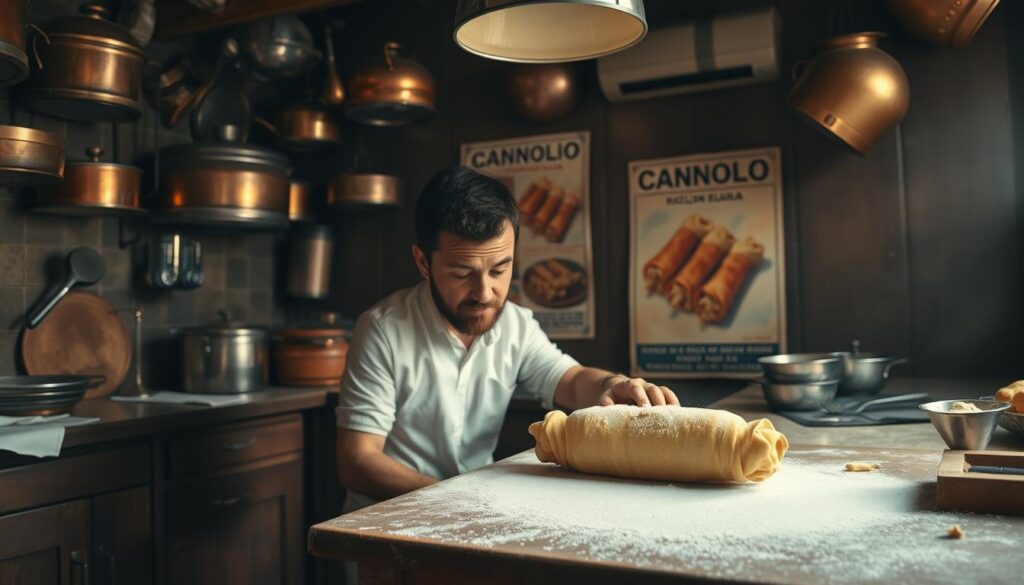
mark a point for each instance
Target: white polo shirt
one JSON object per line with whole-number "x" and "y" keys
{"x": 441, "y": 407}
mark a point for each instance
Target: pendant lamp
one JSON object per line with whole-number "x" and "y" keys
{"x": 548, "y": 31}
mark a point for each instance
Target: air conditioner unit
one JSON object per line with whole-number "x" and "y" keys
{"x": 727, "y": 50}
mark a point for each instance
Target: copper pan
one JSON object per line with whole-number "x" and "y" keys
{"x": 391, "y": 91}
{"x": 942, "y": 22}
{"x": 364, "y": 190}
{"x": 304, "y": 126}
{"x": 93, "y": 187}
{"x": 30, "y": 157}
{"x": 852, "y": 89}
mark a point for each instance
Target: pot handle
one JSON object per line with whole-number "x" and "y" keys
{"x": 35, "y": 38}
{"x": 263, "y": 122}
{"x": 391, "y": 49}
{"x": 895, "y": 362}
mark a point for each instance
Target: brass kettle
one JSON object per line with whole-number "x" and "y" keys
{"x": 391, "y": 91}
{"x": 943, "y": 22}
{"x": 852, "y": 89}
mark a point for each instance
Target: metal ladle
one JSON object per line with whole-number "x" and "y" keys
{"x": 334, "y": 90}
{"x": 85, "y": 266}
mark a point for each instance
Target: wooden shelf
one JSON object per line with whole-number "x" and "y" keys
{"x": 178, "y": 18}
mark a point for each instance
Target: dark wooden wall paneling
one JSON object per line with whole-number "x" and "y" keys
{"x": 914, "y": 249}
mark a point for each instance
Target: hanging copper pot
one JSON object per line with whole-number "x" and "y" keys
{"x": 92, "y": 187}
{"x": 303, "y": 126}
{"x": 89, "y": 69}
{"x": 852, "y": 89}
{"x": 545, "y": 92}
{"x": 355, "y": 191}
{"x": 303, "y": 202}
{"x": 391, "y": 91}
{"x": 943, "y": 22}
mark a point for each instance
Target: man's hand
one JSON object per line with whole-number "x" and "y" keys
{"x": 625, "y": 390}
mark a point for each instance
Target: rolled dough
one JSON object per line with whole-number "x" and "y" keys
{"x": 670, "y": 443}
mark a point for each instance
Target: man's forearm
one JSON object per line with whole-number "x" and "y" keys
{"x": 381, "y": 477}
{"x": 585, "y": 388}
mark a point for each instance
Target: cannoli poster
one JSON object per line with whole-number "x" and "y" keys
{"x": 549, "y": 177}
{"x": 707, "y": 273}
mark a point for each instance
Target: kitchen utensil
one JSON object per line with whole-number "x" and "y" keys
{"x": 92, "y": 187}
{"x": 30, "y": 157}
{"x": 962, "y": 487}
{"x": 309, "y": 262}
{"x": 43, "y": 395}
{"x": 174, "y": 88}
{"x": 303, "y": 203}
{"x": 224, "y": 358}
{"x": 13, "y": 59}
{"x": 191, "y": 274}
{"x": 864, "y": 373}
{"x": 858, "y": 407}
{"x": 84, "y": 266}
{"x": 391, "y": 91}
{"x": 138, "y": 389}
{"x": 852, "y": 89}
{"x": 223, "y": 184}
{"x": 802, "y": 396}
{"x": 946, "y": 22}
{"x": 304, "y": 126}
{"x": 543, "y": 93}
{"x": 546, "y": 31}
{"x": 354, "y": 191}
{"x": 1013, "y": 422}
{"x": 82, "y": 335}
{"x": 965, "y": 430}
{"x": 333, "y": 93}
{"x": 89, "y": 69}
{"x": 996, "y": 469}
{"x": 310, "y": 355}
{"x": 799, "y": 368}
{"x": 278, "y": 47}
{"x": 228, "y": 53}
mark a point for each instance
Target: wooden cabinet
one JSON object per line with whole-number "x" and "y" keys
{"x": 46, "y": 546}
{"x": 234, "y": 509}
{"x": 122, "y": 537}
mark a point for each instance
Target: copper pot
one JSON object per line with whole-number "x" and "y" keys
{"x": 92, "y": 187}
{"x": 89, "y": 69}
{"x": 223, "y": 184}
{"x": 364, "y": 190}
{"x": 310, "y": 356}
{"x": 303, "y": 203}
{"x": 13, "y": 60}
{"x": 304, "y": 126}
{"x": 943, "y": 22}
{"x": 852, "y": 89}
{"x": 543, "y": 93}
{"x": 30, "y": 157}
{"x": 391, "y": 91}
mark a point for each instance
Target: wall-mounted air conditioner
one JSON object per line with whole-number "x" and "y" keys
{"x": 727, "y": 50}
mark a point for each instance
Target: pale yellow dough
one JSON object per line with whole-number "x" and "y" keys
{"x": 862, "y": 467}
{"x": 668, "y": 443}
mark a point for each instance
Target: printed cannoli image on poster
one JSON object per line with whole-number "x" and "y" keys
{"x": 549, "y": 178}
{"x": 707, "y": 272}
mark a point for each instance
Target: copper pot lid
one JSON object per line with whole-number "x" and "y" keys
{"x": 93, "y": 155}
{"x": 229, "y": 152}
{"x": 93, "y": 27}
{"x": 391, "y": 91}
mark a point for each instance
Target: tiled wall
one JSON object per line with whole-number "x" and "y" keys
{"x": 239, "y": 267}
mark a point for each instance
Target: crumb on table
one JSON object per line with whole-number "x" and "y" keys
{"x": 955, "y": 531}
{"x": 857, "y": 466}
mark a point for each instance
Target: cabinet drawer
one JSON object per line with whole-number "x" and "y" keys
{"x": 234, "y": 444}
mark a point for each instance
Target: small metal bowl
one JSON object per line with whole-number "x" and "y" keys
{"x": 803, "y": 396}
{"x": 965, "y": 430}
{"x": 1013, "y": 422}
{"x": 802, "y": 368}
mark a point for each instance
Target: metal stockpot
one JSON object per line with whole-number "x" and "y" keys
{"x": 93, "y": 187}
{"x": 89, "y": 69}
{"x": 309, "y": 262}
{"x": 13, "y": 60}
{"x": 224, "y": 358}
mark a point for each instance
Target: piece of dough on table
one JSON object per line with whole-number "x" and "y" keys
{"x": 669, "y": 443}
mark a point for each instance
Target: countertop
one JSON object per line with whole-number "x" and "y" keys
{"x": 750, "y": 404}
{"x": 125, "y": 420}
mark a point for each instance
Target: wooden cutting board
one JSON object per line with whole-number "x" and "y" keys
{"x": 81, "y": 335}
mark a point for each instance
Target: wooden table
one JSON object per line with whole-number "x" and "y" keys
{"x": 521, "y": 521}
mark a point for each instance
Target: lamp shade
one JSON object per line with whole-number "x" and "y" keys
{"x": 548, "y": 31}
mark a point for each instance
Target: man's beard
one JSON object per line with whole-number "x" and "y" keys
{"x": 466, "y": 324}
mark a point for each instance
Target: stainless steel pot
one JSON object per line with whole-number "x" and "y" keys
{"x": 309, "y": 263}
{"x": 364, "y": 191}
{"x": 864, "y": 373}
{"x": 279, "y": 47}
{"x": 89, "y": 69}
{"x": 224, "y": 358}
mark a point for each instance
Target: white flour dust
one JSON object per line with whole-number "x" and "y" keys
{"x": 868, "y": 521}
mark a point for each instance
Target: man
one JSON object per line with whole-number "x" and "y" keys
{"x": 431, "y": 369}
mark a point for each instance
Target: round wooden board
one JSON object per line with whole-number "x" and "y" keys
{"x": 81, "y": 335}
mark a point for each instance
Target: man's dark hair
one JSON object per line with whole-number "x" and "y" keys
{"x": 465, "y": 202}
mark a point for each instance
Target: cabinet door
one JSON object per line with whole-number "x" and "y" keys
{"x": 243, "y": 527}
{"x": 122, "y": 538}
{"x": 46, "y": 546}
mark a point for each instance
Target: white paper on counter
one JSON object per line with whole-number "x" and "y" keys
{"x": 37, "y": 436}
{"x": 184, "y": 398}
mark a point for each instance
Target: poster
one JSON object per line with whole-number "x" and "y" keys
{"x": 707, "y": 267}
{"x": 550, "y": 178}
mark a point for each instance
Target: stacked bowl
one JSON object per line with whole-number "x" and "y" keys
{"x": 42, "y": 395}
{"x": 800, "y": 381}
